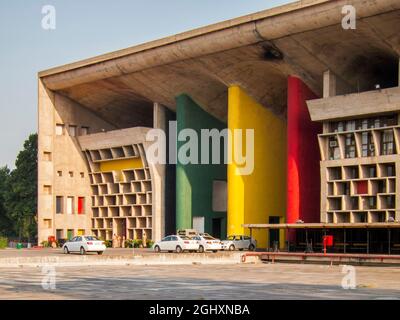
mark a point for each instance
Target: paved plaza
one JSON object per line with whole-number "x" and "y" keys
{"x": 200, "y": 282}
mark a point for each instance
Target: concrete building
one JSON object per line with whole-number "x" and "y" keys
{"x": 305, "y": 84}
{"x": 360, "y": 156}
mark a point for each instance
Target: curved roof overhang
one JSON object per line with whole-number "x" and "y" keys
{"x": 257, "y": 52}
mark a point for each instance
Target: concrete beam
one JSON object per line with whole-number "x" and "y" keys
{"x": 299, "y": 17}
{"x": 346, "y": 106}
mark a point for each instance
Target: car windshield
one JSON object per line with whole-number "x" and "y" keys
{"x": 230, "y": 238}
{"x": 185, "y": 238}
{"x": 205, "y": 235}
{"x": 91, "y": 238}
{"x": 208, "y": 238}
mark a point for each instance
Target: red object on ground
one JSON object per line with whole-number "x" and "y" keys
{"x": 51, "y": 239}
{"x": 303, "y": 171}
{"x": 362, "y": 187}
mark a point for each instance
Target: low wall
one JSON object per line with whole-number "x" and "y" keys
{"x": 147, "y": 259}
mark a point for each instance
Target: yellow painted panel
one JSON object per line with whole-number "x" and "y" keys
{"x": 118, "y": 165}
{"x": 254, "y": 198}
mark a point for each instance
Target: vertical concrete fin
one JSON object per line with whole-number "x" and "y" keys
{"x": 303, "y": 184}
{"x": 257, "y": 197}
{"x": 194, "y": 182}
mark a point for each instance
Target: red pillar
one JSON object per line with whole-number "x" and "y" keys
{"x": 303, "y": 182}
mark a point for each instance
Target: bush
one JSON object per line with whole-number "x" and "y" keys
{"x": 45, "y": 244}
{"x": 137, "y": 243}
{"x": 130, "y": 243}
{"x": 149, "y": 243}
{"x": 108, "y": 243}
{"x": 3, "y": 242}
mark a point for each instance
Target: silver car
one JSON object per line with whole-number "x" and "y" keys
{"x": 239, "y": 243}
{"x": 84, "y": 244}
{"x": 208, "y": 243}
{"x": 176, "y": 243}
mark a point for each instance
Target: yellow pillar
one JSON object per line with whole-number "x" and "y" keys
{"x": 256, "y": 197}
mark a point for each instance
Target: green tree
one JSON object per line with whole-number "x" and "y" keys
{"x": 5, "y": 222}
{"x": 21, "y": 196}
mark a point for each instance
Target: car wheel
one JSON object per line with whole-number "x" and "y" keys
{"x": 178, "y": 249}
{"x": 157, "y": 249}
{"x": 82, "y": 251}
{"x": 252, "y": 247}
{"x": 99, "y": 253}
{"x": 201, "y": 249}
{"x": 66, "y": 251}
{"x": 215, "y": 251}
{"x": 231, "y": 247}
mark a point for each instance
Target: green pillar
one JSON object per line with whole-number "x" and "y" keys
{"x": 194, "y": 182}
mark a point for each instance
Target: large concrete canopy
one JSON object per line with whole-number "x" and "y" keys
{"x": 257, "y": 52}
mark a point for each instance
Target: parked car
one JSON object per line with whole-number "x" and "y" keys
{"x": 187, "y": 232}
{"x": 176, "y": 243}
{"x": 84, "y": 244}
{"x": 239, "y": 242}
{"x": 208, "y": 243}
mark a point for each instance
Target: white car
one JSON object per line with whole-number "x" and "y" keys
{"x": 83, "y": 244}
{"x": 208, "y": 243}
{"x": 176, "y": 243}
{"x": 239, "y": 242}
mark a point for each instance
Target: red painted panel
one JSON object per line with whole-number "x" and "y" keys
{"x": 303, "y": 181}
{"x": 362, "y": 187}
{"x": 81, "y": 205}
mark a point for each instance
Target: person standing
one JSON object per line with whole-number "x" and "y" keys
{"x": 114, "y": 241}
{"x": 144, "y": 240}
{"x": 119, "y": 242}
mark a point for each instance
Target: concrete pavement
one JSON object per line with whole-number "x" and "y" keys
{"x": 201, "y": 282}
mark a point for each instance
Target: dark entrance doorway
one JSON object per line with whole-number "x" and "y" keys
{"x": 216, "y": 228}
{"x": 274, "y": 233}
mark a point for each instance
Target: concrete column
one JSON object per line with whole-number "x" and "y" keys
{"x": 329, "y": 84}
{"x": 159, "y": 122}
{"x": 159, "y": 116}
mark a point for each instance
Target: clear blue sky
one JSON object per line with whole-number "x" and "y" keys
{"x": 84, "y": 29}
